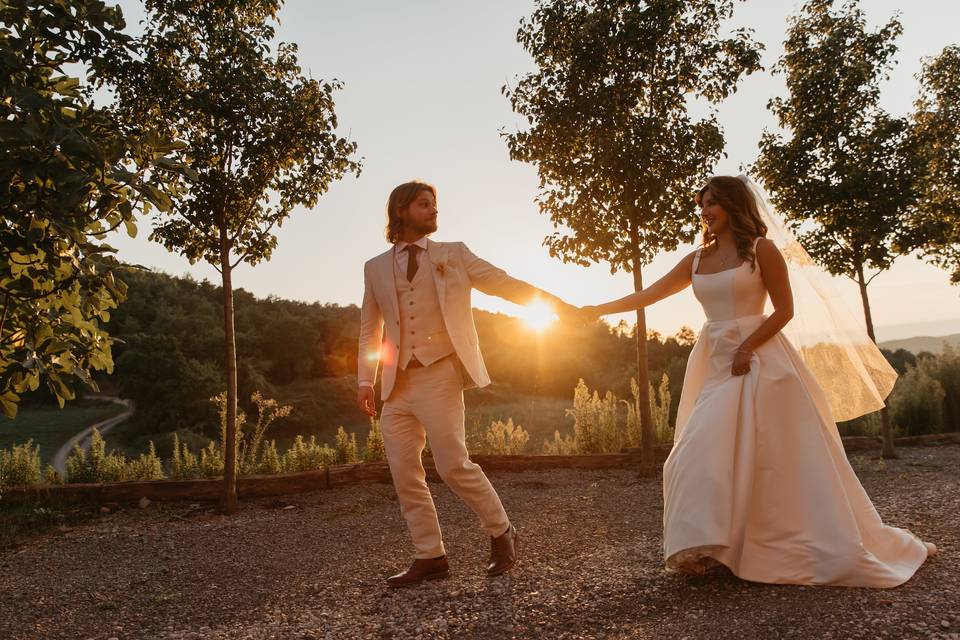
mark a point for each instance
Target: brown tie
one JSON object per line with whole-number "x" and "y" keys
{"x": 412, "y": 252}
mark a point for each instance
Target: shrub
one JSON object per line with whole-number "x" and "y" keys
{"x": 596, "y": 428}
{"x": 211, "y": 461}
{"x": 20, "y": 465}
{"x": 917, "y": 400}
{"x": 270, "y": 462}
{"x": 346, "y": 447}
{"x": 374, "y": 449}
{"x": 147, "y": 466}
{"x": 505, "y": 438}
{"x": 945, "y": 369}
{"x": 96, "y": 466}
{"x": 560, "y": 446}
{"x": 307, "y": 456}
{"x": 183, "y": 463}
{"x": 248, "y": 458}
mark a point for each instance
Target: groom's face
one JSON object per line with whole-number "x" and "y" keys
{"x": 421, "y": 216}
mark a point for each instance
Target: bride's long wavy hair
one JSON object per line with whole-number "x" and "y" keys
{"x": 743, "y": 217}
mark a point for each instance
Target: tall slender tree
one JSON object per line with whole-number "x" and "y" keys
{"x": 846, "y": 177}
{"x": 260, "y": 140}
{"x": 69, "y": 174}
{"x": 935, "y": 227}
{"x": 618, "y": 153}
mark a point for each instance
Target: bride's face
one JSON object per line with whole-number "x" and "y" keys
{"x": 713, "y": 216}
{"x": 421, "y": 216}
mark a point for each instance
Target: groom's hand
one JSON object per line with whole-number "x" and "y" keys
{"x": 366, "y": 402}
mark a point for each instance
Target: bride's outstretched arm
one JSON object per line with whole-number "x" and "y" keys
{"x": 676, "y": 280}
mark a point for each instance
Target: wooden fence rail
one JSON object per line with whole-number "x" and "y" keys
{"x": 362, "y": 473}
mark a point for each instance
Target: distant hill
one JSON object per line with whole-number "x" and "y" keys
{"x": 923, "y": 343}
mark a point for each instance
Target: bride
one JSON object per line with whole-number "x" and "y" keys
{"x": 757, "y": 479}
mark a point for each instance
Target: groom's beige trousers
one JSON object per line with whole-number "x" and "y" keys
{"x": 427, "y": 402}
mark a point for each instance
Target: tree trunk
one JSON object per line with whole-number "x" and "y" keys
{"x": 647, "y": 462}
{"x": 228, "y": 502}
{"x": 886, "y": 425}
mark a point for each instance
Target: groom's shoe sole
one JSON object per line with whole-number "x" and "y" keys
{"x": 411, "y": 583}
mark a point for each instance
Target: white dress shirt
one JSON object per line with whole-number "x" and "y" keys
{"x": 402, "y": 256}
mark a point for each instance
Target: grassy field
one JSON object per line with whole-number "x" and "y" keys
{"x": 50, "y": 427}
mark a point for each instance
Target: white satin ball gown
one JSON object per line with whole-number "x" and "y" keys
{"x": 758, "y": 479}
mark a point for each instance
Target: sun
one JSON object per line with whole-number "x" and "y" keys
{"x": 538, "y": 316}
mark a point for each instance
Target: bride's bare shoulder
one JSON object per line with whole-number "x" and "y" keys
{"x": 768, "y": 253}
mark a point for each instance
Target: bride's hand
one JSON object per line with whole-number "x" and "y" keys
{"x": 741, "y": 363}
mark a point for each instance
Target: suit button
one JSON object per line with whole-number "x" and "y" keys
{"x": 411, "y": 317}
{"x": 398, "y": 323}
{"x": 411, "y": 303}
{"x": 413, "y": 333}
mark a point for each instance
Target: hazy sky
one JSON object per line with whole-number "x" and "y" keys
{"x": 423, "y": 100}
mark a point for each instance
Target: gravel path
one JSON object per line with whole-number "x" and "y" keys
{"x": 311, "y": 566}
{"x": 84, "y": 438}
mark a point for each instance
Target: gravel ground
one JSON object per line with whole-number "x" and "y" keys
{"x": 311, "y": 566}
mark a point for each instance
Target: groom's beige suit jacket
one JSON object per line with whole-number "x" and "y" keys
{"x": 455, "y": 272}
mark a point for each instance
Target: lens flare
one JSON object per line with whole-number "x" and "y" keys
{"x": 538, "y": 316}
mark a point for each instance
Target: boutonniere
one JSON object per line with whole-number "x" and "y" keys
{"x": 441, "y": 267}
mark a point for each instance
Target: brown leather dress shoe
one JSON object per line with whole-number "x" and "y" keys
{"x": 504, "y": 552}
{"x": 421, "y": 569}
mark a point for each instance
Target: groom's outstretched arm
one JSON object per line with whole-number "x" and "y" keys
{"x": 371, "y": 338}
{"x": 495, "y": 281}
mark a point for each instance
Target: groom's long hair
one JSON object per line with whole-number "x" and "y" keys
{"x": 401, "y": 198}
{"x": 742, "y": 214}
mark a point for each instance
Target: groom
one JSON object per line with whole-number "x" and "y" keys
{"x": 417, "y": 322}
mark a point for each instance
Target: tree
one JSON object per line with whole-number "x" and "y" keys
{"x": 618, "y": 154}
{"x": 69, "y": 174}
{"x": 260, "y": 140}
{"x": 936, "y": 225}
{"x": 846, "y": 178}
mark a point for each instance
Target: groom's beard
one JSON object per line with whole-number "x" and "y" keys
{"x": 423, "y": 228}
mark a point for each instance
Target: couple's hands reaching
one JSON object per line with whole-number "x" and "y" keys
{"x": 577, "y": 315}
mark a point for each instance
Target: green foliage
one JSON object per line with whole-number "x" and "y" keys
{"x": 945, "y": 369}
{"x": 69, "y": 173}
{"x": 270, "y": 462}
{"x": 96, "y": 466}
{"x": 51, "y": 476}
{"x": 935, "y": 225}
{"x": 374, "y": 449}
{"x": 259, "y": 140}
{"x": 308, "y": 456}
{"x": 660, "y": 406}
{"x": 596, "y": 425}
{"x": 917, "y": 401}
{"x": 346, "y": 447}
{"x": 610, "y": 132}
{"x": 849, "y": 168}
{"x": 20, "y": 465}
{"x": 146, "y": 466}
{"x": 268, "y": 410}
{"x": 211, "y": 461}
{"x": 560, "y": 446}
{"x": 183, "y": 463}
{"x": 505, "y": 438}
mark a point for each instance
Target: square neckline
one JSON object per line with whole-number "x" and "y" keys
{"x": 713, "y": 273}
{"x": 696, "y": 262}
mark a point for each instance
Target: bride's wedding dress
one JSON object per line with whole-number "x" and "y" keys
{"x": 758, "y": 479}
